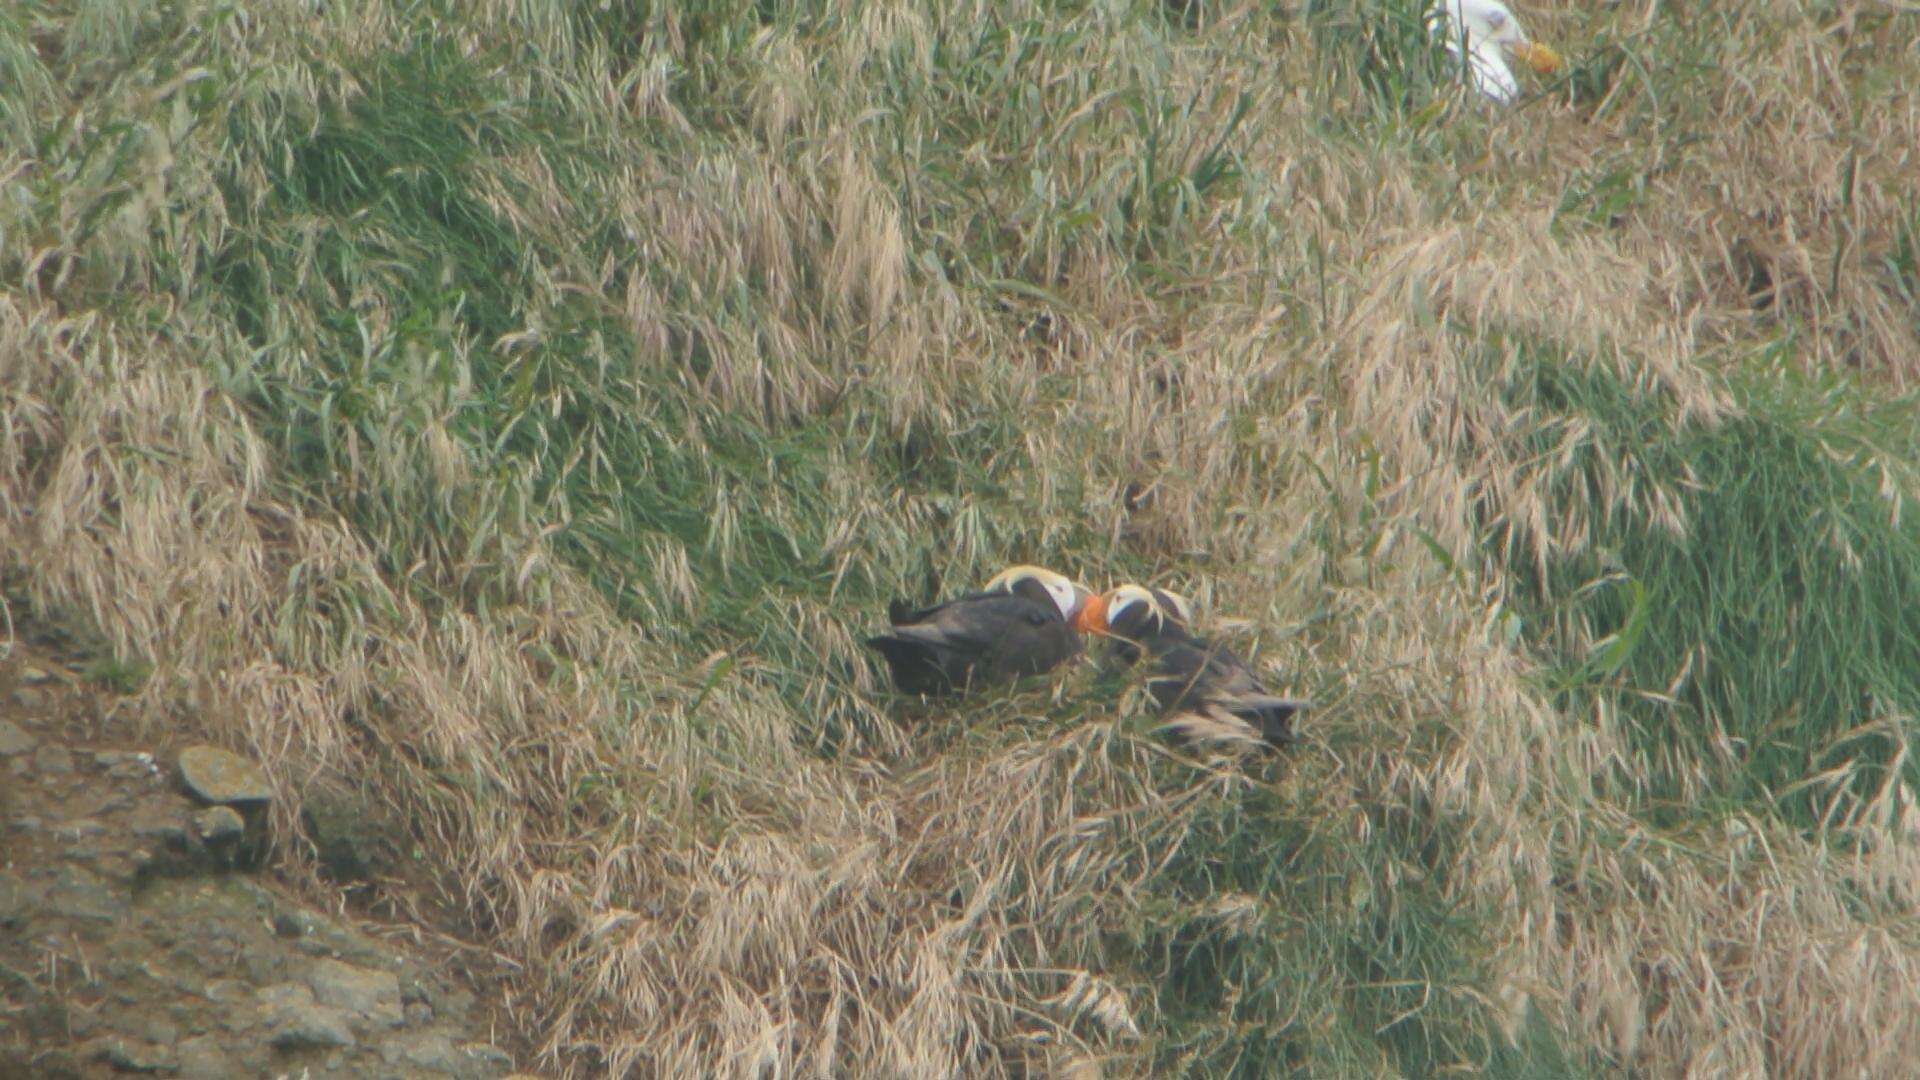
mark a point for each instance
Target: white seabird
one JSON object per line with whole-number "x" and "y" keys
{"x": 1487, "y": 31}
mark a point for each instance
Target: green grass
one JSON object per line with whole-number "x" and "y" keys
{"x": 385, "y": 199}
{"x": 1351, "y": 958}
{"x": 1767, "y": 644}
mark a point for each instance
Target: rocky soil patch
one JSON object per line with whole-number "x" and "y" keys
{"x": 137, "y": 937}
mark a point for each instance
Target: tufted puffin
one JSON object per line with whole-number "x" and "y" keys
{"x": 1017, "y": 626}
{"x": 1206, "y": 691}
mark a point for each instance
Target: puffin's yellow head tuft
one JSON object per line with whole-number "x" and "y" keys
{"x": 1182, "y": 607}
{"x": 1067, "y": 596}
{"x": 1099, "y": 613}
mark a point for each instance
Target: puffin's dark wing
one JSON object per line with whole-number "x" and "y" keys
{"x": 974, "y": 640}
{"x": 1195, "y": 678}
{"x": 900, "y": 613}
{"x": 1139, "y": 630}
{"x": 917, "y": 668}
{"x": 1031, "y": 646}
{"x": 1182, "y": 670}
{"x": 974, "y": 623}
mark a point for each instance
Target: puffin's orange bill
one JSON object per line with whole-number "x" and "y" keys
{"x": 1542, "y": 59}
{"x": 1092, "y": 616}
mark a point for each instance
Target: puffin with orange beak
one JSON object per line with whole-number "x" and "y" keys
{"x": 1206, "y": 692}
{"x": 1019, "y": 625}
{"x": 1487, "y": 32}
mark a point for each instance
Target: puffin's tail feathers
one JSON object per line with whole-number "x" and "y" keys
{"x": 1256, "y": 722}
{"x": 1274, "y": 716}
{"x": 915, "y": 665}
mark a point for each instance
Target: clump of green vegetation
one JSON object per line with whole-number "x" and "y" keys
{"x": 120, "y": 676}
{"x": 1747, "y": 606}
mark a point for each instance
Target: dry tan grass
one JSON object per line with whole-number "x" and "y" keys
{"x": 1785, "y": 197}
{"x": 1273, "y": 417}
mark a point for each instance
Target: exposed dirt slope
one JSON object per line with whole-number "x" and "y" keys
{"x": 141, "y": 930}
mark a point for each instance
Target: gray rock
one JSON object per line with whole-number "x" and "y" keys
{"x": 283, "y": 994}
{"x": 347, "y": 834}
{"x": 78, "y": 894}
{"x": 203, "y": 1059}
{"x": 13, "y": 740}
{"x": 428, "y": 1051}
{"x": 19, "y": 767}
{"x": 255, "y": 1060}
{"x": 80, "y": 829}
{"x": 82, "y": 1022}
{"x": 14, "y": 903}
{"x": 170, "y": 833}
{"x": 225, "y": 991}
{"x": 238, "y": 1021}
{"x": 216, "y": 824}
{"x": 123, "y": 868}
{"x": 33, "y": 676}
{"x": 162, "y": 1032}
{"x": 132, "y": 1055}
{"x": 27, "y": 698}
{"x": 419, "y": 1014}
{"x": 127, "y": 765}
{"x": 309, "y": 1027}
{"x": 33, "y": 1061}
{"x": 261, "y": 964}
{"x": 460, "y": 1002}
{"x": 374, "y": 995}
{"x": 295, "y": 923}
{"x": 296, "y": 1021}
{"x": 481, "y": 1059}
{"x": 219, "y": 776}
{"x": 53, "y": 760}
{"x": 134, "y": 770}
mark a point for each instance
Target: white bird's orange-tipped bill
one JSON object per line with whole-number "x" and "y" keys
{"x": 1541, "y": 58}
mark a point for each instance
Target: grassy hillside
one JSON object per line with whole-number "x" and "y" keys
{"x": 510, "y": 415}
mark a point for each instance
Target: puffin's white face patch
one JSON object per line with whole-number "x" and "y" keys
{"x": 1065, "y": 597}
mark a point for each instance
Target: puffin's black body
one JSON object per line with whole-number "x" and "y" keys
{"x": 1200, "y": 686}
{"x": 977, "y": 640}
